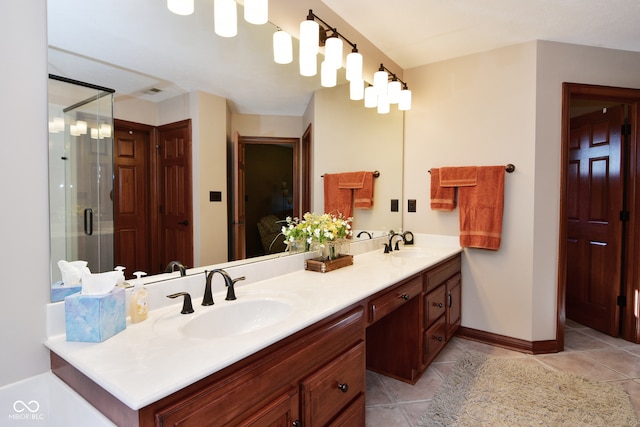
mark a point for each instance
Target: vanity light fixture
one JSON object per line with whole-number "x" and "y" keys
{"x": 180, "y": 7}
{"x": 333, "y": 47}
{"x": 282, "y": 47}
{"x": 380, "y": 79}
{"x": 81, "y": 127}
{"x": 328, "y": 74}
{"x": 356, "y": 90}
{"x": 57, "y": 125}
{"x": 370, "y": 97}
{"x": 225, "y": 18}
{"x": 256, "y": 11}
{"x": 354, "y": 65}
{"x": 393, "y": 90}
{"x": 383, "y": 104}
{"x": 405, "y": 98}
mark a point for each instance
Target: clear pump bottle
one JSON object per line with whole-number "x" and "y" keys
{"x": 139, "y": 306}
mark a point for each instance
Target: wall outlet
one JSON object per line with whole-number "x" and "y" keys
{"x": 411, "y": 205}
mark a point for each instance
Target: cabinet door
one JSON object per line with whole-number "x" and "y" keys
{"x": 454, "y": 301}
{"x": 326, "y": 393}
{"x": 282, "y": 412}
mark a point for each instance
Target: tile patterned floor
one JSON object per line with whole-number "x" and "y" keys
{"x": 587, "y": 353}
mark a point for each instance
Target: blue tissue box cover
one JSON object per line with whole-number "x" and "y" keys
{"x": 95, "y": 318}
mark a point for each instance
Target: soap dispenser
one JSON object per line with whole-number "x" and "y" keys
{"x": 120, "y": 282}
{"x": 139, "y": 307}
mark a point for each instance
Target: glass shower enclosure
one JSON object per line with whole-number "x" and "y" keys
{"x": 80, "y": 178}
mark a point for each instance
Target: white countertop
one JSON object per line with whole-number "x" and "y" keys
{"x": 152, "y": 359}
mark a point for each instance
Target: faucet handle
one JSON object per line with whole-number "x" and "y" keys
{"x": 231, "y": 293}
{"x": 187, "y": 307}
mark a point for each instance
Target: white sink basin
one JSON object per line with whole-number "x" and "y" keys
{"x": 231, "y": 318}
{"x": 412, "y": 253}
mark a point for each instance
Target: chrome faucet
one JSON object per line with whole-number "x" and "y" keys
{"x": 229, "y": 282}
{"x": 172, "y": 264}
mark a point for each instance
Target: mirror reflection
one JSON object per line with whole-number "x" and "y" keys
{"x": 219, "y": 86}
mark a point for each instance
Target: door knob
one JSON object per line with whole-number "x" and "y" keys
{"x": 185, "y": 222}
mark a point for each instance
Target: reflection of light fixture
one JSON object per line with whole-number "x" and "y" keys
{"x": 105, "y": 130}
{"x": 405, "y": 99}
{"x": 180, "y": 7}
{"x": 393, "y": 89}
{"x": 225, "y": 18}
{"x": 312, "y": 35}
{"x": 333, "y": 51}
{"x": 328, "y": 74}
{"x": 256, "y": 11}
{"x": 81, "y": 126}
{"x": 57, "y": 125}
{"x": 73, "y": 130}
{"x": 354, "y": 65}
{"x": 356, "y": 90}
{"x": 282, "y": 47}
{"x": 370, "y": 97}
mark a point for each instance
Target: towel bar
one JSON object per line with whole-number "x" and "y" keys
{"x": 508, "y": 168}
{"x": 375, "y": 174}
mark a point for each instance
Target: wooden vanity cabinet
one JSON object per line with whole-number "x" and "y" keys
{"x": 312, "y": 378}
{"x": 442, "y": 300}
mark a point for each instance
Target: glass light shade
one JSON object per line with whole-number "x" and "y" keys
{"x": 383, "y": 104}
{"x": 370, "y": 97}
{"x": 180, "y": 7}
{"x": 356, "y": 90}
{"x": 333, "y": 47}
{"x": 282, "y": 47}
{"x": 308, "y": 63}
{"x": 81, "y": 125}
{"x": 405, "y": 100}
{"x": 73, "y": 130}
{"x": 393, "y": 90}
{"x": 225, "y": 18}
{"x": 309, "y": 37}
{"x": 256, "y": 11}
{"x": 380, "y": 79}
{"x": 328, "y": 74}
{"x": 354, "y": 66}
{"x": 95, "y": 134}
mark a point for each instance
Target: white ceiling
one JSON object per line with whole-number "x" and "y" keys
{"x": 132, "y": 46}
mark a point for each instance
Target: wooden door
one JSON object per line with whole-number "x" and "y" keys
{"x": 594, "y": 231}
{"x": 131, "y": 197}
{"x": 175, "y": 237}
{"x": 238, "y": 231}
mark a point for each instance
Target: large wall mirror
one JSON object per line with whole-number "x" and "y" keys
{"x": 167, "y": 68}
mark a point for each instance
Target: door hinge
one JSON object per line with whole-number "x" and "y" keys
{"x": 624, "y": 216}
{"x": 622, "y": 301}
{"x": 626, "y": 129}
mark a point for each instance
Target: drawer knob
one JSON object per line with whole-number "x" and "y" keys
{"x": 405, "y": 297}
{"x": 439, "y": 339}
{"x": 343, "y": 387}
{"x": 439, "y": 304}
{"x": 296, "y": 423}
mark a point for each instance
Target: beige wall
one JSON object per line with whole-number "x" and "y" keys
{"x": 348, "y": 137}
{"x": 270, "y": 126}
{"x": 500, "y": 107}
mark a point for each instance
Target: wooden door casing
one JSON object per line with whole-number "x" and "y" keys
{"x": 594, "y": 232}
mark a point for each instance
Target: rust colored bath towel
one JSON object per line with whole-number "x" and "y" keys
{"x": 481, "y": 208}
{"x": 442, "y": 198}
{"x": 337, "y": 200}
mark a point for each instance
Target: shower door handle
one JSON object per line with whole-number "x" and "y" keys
{"x": 88, "y": 221}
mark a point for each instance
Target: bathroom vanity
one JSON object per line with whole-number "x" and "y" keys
{"x": 388, "y": 313}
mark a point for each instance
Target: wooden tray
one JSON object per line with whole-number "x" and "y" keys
{"x": 317, "y": 264}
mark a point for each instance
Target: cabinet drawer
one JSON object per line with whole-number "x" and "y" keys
{"x": 354, "y": 415}
{"x": 440, "y": 273}
{"x": 328, "y": 391}
{"x": 434, "y": 305}
{"x": 393, "y": 299}
{"x": 434, "y": 340}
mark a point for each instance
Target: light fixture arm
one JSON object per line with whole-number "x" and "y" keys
{"x": 393, "y": 76}
{"x": 312, "y": 16}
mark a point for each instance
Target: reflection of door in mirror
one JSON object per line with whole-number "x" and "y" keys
{"x": 152, "y": 205}
{"x": 266, "y": 190}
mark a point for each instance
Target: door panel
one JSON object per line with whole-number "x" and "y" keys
{"x": 176, "y": 212}
{"x": 594, "y": 238}
{"x": 131, "y": 183}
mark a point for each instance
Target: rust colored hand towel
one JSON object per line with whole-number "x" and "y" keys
{"x": 351, "y": 179}
{"x": 481, "y": 209}
{"x": 337, "y": 200}
{"x": 442, "y": 198}
{"x": 459, "y": 176}
{"x": 363, "y": 196}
